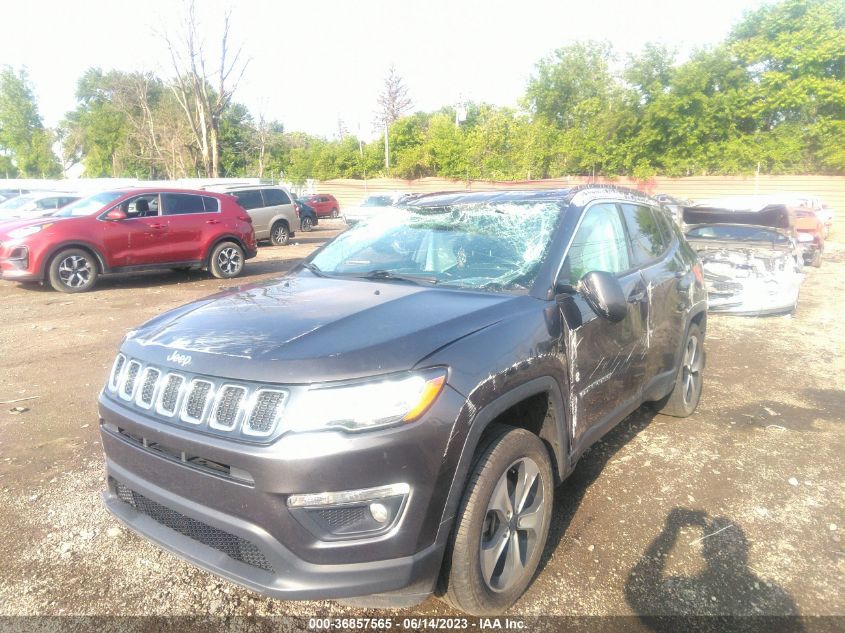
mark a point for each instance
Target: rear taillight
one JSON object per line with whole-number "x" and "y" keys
{"x": 296, "y": 208}
{"x": 245, "y": 218}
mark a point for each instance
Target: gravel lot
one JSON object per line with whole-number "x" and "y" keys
{"x": 738, "y": 509}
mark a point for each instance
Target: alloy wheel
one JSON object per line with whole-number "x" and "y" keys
{"x": 229, "y": 261}
{"x": 691, "y": 370}
{"x": 514, "y": 518}
{"x": 75, "y": 271}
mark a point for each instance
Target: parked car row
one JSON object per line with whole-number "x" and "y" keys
{"x": 68, "y": 241}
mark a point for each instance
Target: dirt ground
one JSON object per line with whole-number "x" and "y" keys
{"x": 737, "y": 509}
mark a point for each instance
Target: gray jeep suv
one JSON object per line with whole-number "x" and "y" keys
{"x": 390, "y": 418}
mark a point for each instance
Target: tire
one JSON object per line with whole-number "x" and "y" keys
{"x": 335, "y": 214}
{"x": 307, "y": 224}
{"x": 686, "y": 392}
{"x": 73, "y": 270}
{"x": 226, "y": 260}
{"x": 816, "y": 262}
{"x": 280, "y": 234}
{"x": 479, "y": 584}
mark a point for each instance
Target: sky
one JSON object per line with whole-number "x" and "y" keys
{"x": 313, "y": 62}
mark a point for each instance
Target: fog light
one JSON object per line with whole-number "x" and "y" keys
{"x": 379, "y": 512}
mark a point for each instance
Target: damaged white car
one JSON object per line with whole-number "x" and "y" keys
{"x": 752, "y": 261}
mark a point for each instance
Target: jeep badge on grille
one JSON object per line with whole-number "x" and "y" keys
{"x": 180, "y": 359}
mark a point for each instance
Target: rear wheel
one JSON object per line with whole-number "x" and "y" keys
{"x": 334, "y": 214}
{"x": 280, "y": 234}
{"x": 73, "y": 270}
{"x": 501, "y": 526}
{"x": 816, "y": 262}
{"x": 686, "y": 393}
{"x": 307, "y": 223}
{"x": 226, "y": 261}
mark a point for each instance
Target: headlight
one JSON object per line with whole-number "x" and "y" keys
{"x": 27, "y": 231}
{"x": 362, "y": 406}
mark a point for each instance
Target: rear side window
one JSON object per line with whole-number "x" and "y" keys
{"x": 273, "y": 197}
{"x": 48, "y": 203}
{"x": 212, "y": 205}
{"x": 249, "y": 198}
{"x": 599, "y": 244}
{"x": 182, "y": 203}
{"x": 647, "y": 236}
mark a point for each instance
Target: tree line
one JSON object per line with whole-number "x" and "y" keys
{"x": 770, "y": 98}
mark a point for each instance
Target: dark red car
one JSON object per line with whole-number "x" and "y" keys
{"x": 324, "y": 204}
{"x": 128, "y": 230}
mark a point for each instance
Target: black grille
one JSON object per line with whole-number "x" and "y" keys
{"x": 231, "y": 545}
{"x": 337, "y": 518}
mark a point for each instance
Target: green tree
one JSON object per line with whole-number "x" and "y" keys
{"x": 25, "y": 145}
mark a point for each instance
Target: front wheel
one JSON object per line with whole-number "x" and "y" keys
{"x": 686, "y": 393}
{"x": 73, "y": 270}
{"x": 226, "y": 261}
{"x": 501, "y": 526}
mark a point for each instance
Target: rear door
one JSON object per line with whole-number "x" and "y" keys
{"x": 606, "y": 360}
{"x": 189, "y": 217}
{"x": 281, "y": 206}
{"x": 668, "y": 282}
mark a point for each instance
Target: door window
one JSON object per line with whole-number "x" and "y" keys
{"x": 141, "y": 206}
{"x": 599, "y": 244}
{"x": 182, "y": 203}
{"x": 48, "y": 203}
{"x": 647, "y": 236}
{"x": 249, "y": 198}
{"x": 274, "y": 197}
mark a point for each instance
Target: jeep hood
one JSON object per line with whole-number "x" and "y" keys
{"x": 302, "y": 328}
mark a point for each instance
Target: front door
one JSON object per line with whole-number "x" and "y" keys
{"x": 606, "y": 360}
{"x": 141, "y": 238}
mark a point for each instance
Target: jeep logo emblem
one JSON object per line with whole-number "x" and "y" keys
{"x": 179, "y": 359}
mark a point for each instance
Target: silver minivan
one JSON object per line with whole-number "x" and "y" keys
{"x": 270, "y": 207}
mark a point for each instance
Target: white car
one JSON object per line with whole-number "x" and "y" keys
{"x": 35, "y": 205}
{"x": 371, "y": 206}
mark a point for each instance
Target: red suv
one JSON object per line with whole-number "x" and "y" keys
{"x": 324, "y": 204}
{"x": 128, "y": 230}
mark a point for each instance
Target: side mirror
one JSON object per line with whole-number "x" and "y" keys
{"x": 116, "y": 214}
{"x": 604, "y": 295}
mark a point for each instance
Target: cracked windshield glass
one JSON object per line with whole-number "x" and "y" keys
{"x": 481, "y": 246}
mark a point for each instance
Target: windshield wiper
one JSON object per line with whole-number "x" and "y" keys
{"x": 313, "y": 268}
{"x": 386, "y": 274}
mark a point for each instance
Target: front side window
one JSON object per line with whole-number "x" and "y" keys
{"x": 144, "y": 206}
{"x": 275, "y": 197}
{"x": 647, "y": 237}
{"x": 489, "y": 246}
{"x": 599, "y": 244}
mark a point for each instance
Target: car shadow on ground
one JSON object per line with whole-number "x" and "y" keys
{"x": 725, "y": 596}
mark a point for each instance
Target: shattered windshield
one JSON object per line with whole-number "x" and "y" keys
{"x": 493, "y": 246}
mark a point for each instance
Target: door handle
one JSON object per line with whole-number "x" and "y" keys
{"x": 212, "y": 221}
{"x": 156, "y": 226}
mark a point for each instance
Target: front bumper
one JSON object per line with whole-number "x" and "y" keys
{"x": 755, "y": 297}
{"x": 252, "y": 516}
